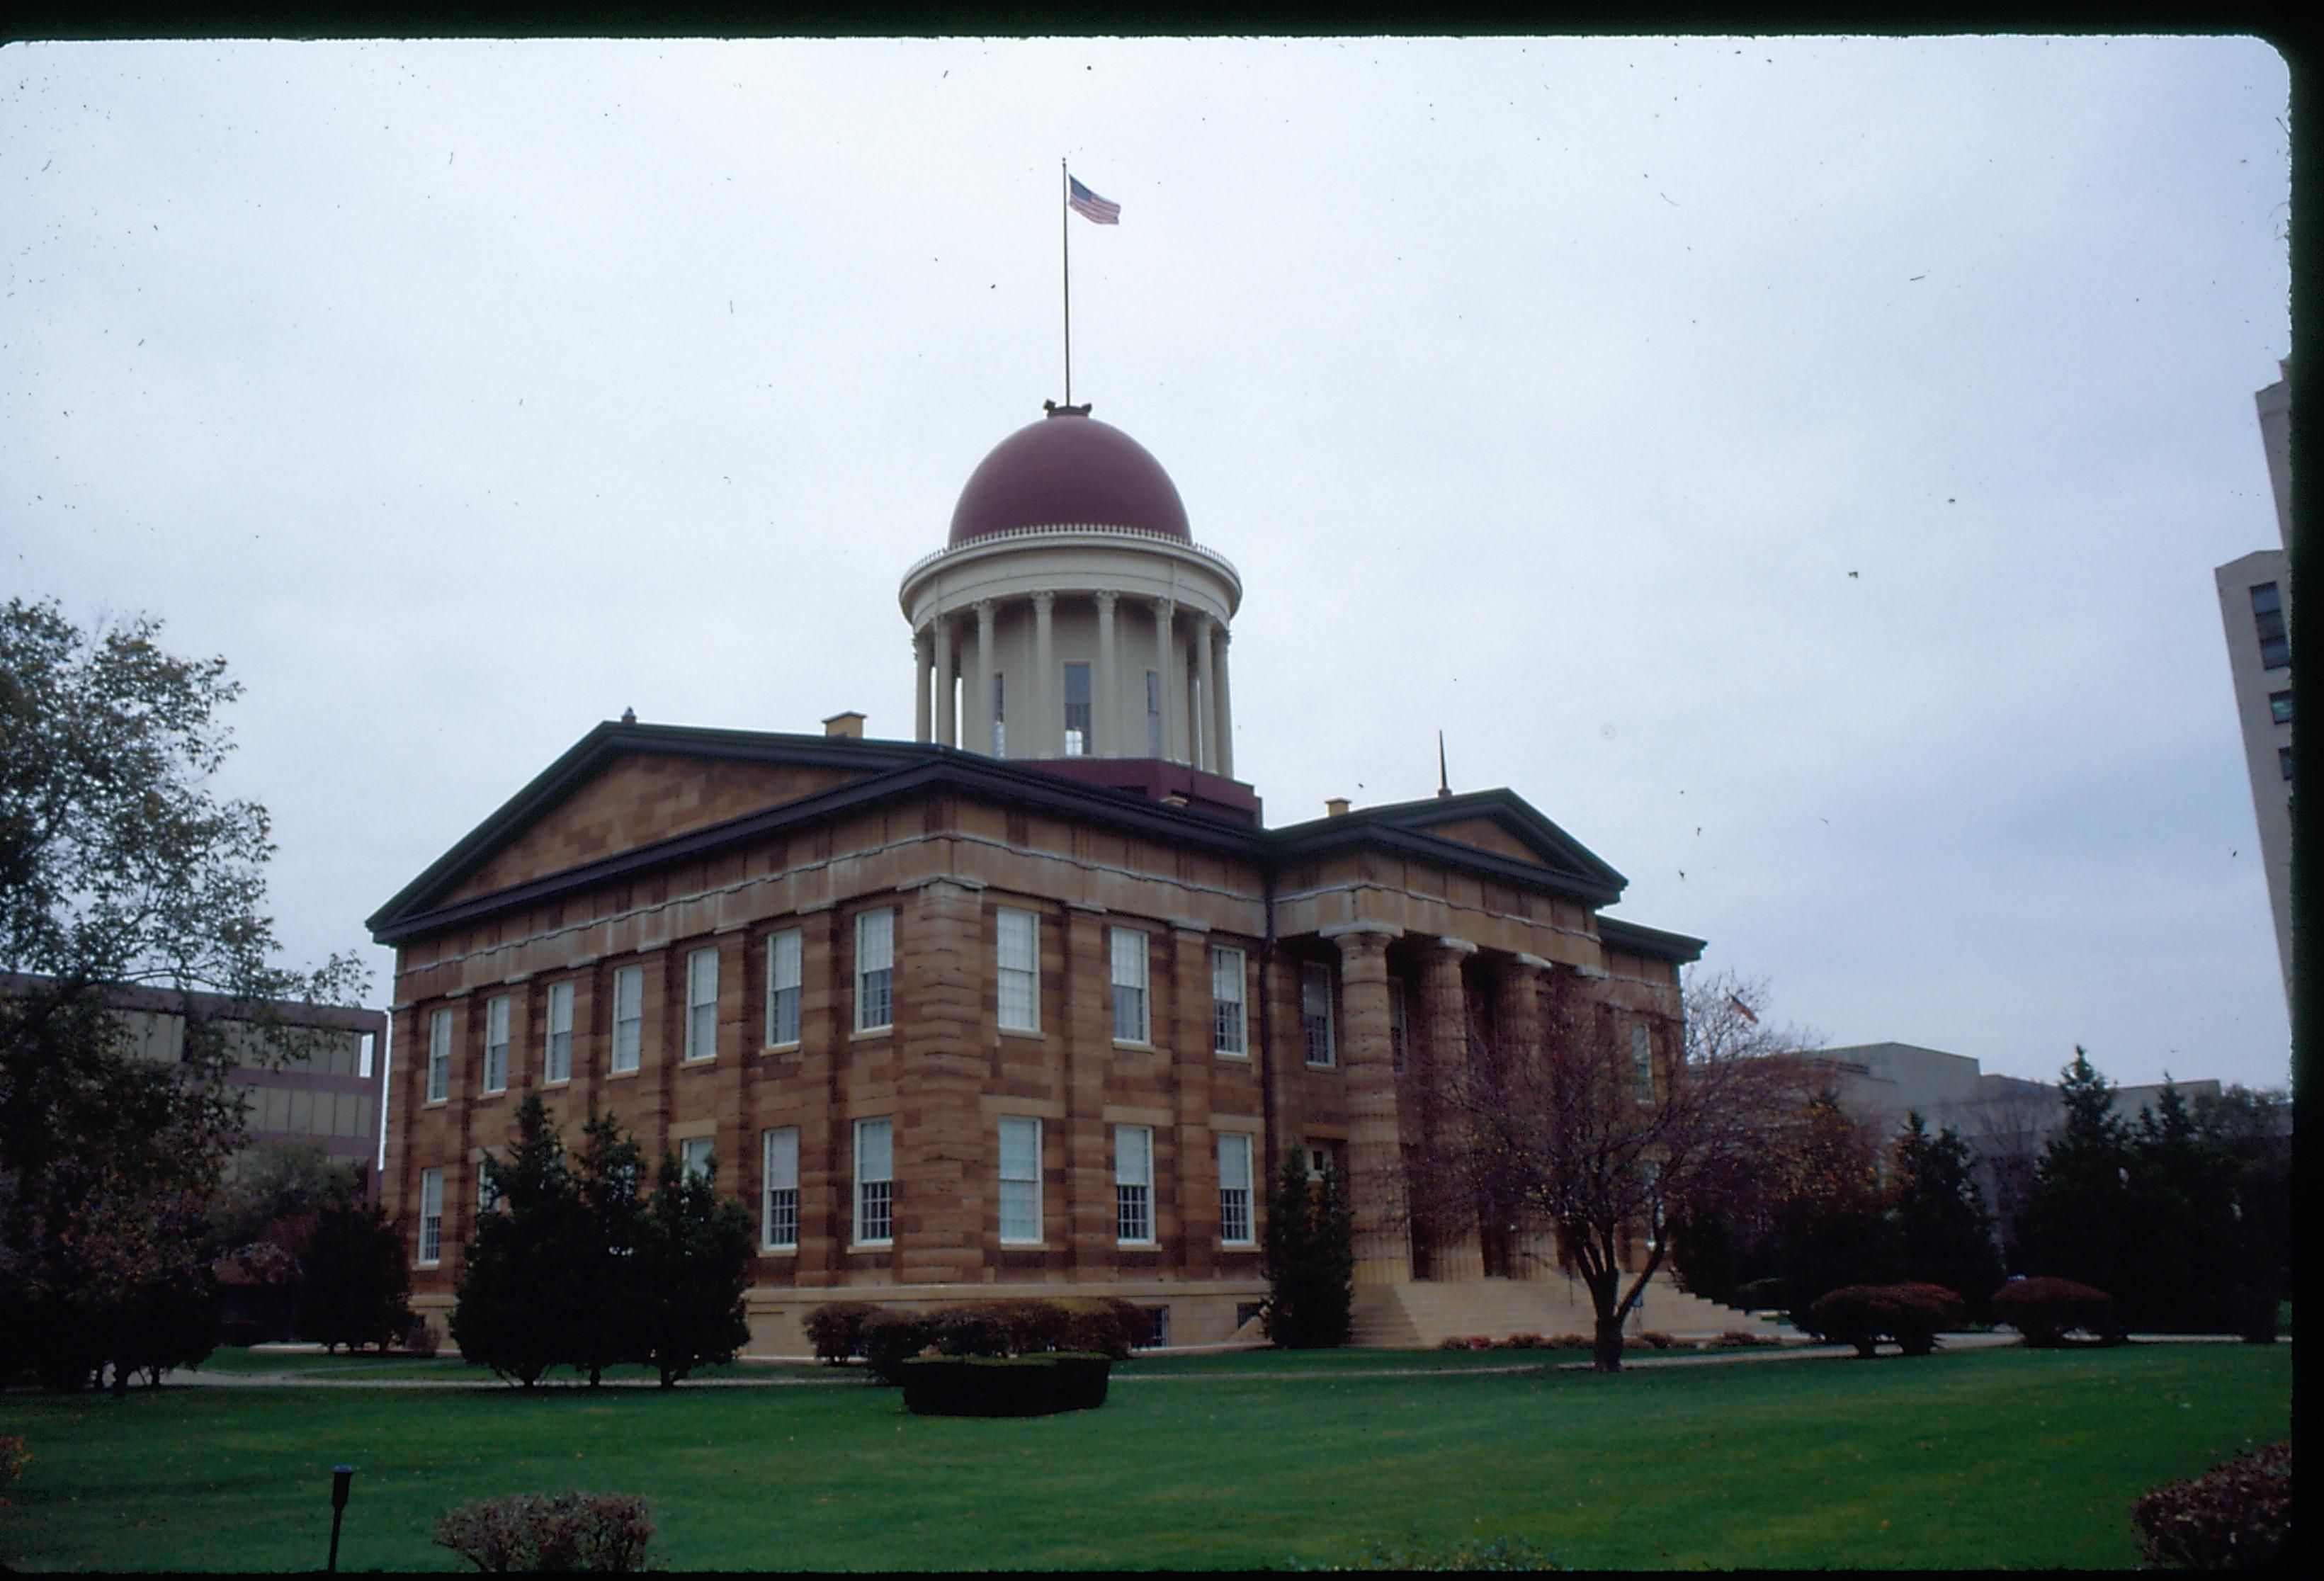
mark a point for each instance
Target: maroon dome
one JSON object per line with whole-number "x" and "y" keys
{"x": 1068, "y": 470}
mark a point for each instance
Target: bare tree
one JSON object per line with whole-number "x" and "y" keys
{"x": 1577, "y": 1134}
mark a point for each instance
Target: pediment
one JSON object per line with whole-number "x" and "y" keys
{"x": 1489, "y": 834}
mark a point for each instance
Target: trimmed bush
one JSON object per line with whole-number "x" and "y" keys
{"x": 549, "y": 1532}
{"x": 890, "y": 1339}
{"x": 1104, "y": 1325}
{"x": 2046, "y": 1310}
{"x": 1743, "y": 1339}
{"x": 1656, "y": 1339}
{"x": 1523, "y": 1342}
{"x": 2236, "y": 1516}
{"x": 1005, "y": 1386}
{"x": 1910, "y": 1315}
{"x": 835, "y": 1329}
{"x": 1570, "y": 1342}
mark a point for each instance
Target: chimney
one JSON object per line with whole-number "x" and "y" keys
{"x": 1336, "y": 807}
{"x": 847, "y": 726}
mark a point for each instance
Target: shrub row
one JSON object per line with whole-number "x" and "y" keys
{"x": 2046, "y": 1310}
{"x": 2236, "y": 1516}
{"x": 1910, "y": 1315}
{"x": 886, "y": 1337}
{"x": 1005, "y": 1386}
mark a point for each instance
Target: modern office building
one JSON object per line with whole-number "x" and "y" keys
{"x": 2256, "y": 609}
{"x": 1033, "y": 1003}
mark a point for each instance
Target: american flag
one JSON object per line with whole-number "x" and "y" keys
{"x": 1089, "y": 205}
{"x": 1742, "y": 1009}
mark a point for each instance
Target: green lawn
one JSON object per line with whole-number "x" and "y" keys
{"x": 1978, "y": 1459}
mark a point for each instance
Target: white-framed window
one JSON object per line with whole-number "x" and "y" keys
{"x": 556, "y": 1059}
{"x": 1129, "y": 1018}
{"x": 1316, "y": 1012}
{"x": 629, "y": 1016}
{"x": 1000, "y": 716}
{"x": 1133, "y": 1185}
{"x": 783, "y": 988}
{"x": 496, "y": 1043}
{"x": 875, "y": 970}
{"x": 431, "y": 1217}
{"x": 1020, "y": 988}
{"x": 1227, "y": 1001}
{"x": 1234, "y": 1189}
{"x": 440, "y": 1056}
{"x": 693, "y": 1158}
{"x": 1153, "y": 713}
{"x": 1398, "y": 1027}
{"x": 875, "y": 1182}
{"x": 1077, "y": 710}
{"x": 702, "y": 1003}
{"x": 778, "y": 1211}
{"x": 1642, "y": 1061}
{"x": 488, "y": 1196}
{"x": 1020, "y": 1181}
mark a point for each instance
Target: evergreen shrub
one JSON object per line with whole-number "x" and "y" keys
{"x": 1910, "y": 1315}
{"x": 2236, "y": 1516}
{"x": 2046, "y": 1310}
{"x": 835, "y": 1329}
{"x": 549, "y": 1532}
{"x": 890, "y": 1338}
{"x": 1004, "y": 1386}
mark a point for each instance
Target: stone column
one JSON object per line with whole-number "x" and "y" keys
{"x": 1047, "y": 737}
{"x": 1222, "y": 709}
{"x": 1105, "y": 707}
{"x": 945, "y": 732}
{"x": 1442, "y": 1035}
{"x": 1165, "y": 616}
{"x": 924, "y": 663}
{"x": 1205, "y": 732}
{"x": 1375, "y": 1136}
{"x": 980, "y": 707}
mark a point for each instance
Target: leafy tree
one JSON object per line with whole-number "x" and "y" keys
{"x": 357, "y": 1285}
{"x": 119, "y": 866}
{"x": 1832, "y": 1225}
{"x": 524, "y": 1282}
{"x": 607, "y": 1174}
{"x": 277, "y": 1191}
{"x": 2182, "y": 1196}
{"x": 1943, "y": 1233}
{"x": 2078, "y": 1221}
{"x": 694, "y": 1262}
{"x": 1310, "y": 1258}
{"x": 2252, "y": 1133}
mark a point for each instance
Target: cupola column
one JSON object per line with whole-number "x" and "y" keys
{"x": 945, "y": 734}
{"x": 1166, "y": 615}
{"x": 1205, "y": 731}
{"x": 1105, "y": 723}
{"x": 1046, "y": 738}
{"x": 924, "y": 666}
{"x": 979, "y": 706}
{"x": 1222, "y": 710}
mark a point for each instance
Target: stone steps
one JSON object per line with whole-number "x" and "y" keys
{"x": 1424, "y": 1314}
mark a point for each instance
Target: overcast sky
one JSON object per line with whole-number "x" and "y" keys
{"x": 1796, "y": 468}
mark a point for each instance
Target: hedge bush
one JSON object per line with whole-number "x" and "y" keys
{"x": 549, "y": 1532}
{"x": 2236, "y": 1516}
{"x": 1910, "y": 1315}
{"x": 1005, "y": 1386}
{"x": 886, "y": 1336}
{"x": 2046, "y": 1310}
{"x": 835, "y": 1329}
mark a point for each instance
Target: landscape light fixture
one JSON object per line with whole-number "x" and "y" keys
{"x": 341, "y": 1476}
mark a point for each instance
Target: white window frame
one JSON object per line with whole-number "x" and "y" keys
{"x": 628, "y": 1018}
{"x": 431, "y": 1217}
{"x": 1229, "y": 1003}
{"x": 557, "y": 1052}
{"x": 440, "y": 1056}
{"x": 1315, "y": 986}
{"x": 875, "y": 970}
{"x": 1133, "y": 1186}
{"x": 1019, "y": 1172}
{"x": 695, "y": 1157}
{"x": 1235, "y": 1154}
{"x": 487, "y": 1198}
{"x": 496, "y": 1043}
{"x": 1017, "y": 969}
{"x": 1077, "y": 742}
{"x": 778, "y": 1189}
{"x": 786, "y": 951}
{"x": 1126, "y": 953}
{"x": 875, "y": 1194}
{"x": 701, "y": 1004}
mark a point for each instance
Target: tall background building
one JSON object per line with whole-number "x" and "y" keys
{"x": 2255, "y": 607}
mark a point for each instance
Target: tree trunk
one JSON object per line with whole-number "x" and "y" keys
{"x": 1606, "y": 1343}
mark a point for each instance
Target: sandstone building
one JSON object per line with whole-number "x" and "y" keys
{"x": 1029, "y": 1004}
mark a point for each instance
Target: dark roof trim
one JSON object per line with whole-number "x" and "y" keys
{"x": 1614, "y": 933}
{"x": 1573, "y": 869}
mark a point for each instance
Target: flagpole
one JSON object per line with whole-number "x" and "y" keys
{"x": 1066, "y": 234}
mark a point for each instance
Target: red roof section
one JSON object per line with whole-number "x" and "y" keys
{"x": 1068, "y": 470}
